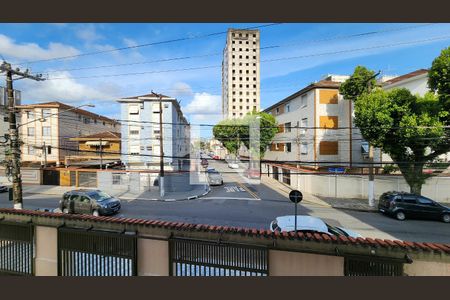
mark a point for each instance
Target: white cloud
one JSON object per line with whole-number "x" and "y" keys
{"x": 88, "y": 33}
{"x": 66, "y": 90}
{"x": 204, "y": 104}
{"x": 32, "y": 51}
{"x": 181, "y": 89}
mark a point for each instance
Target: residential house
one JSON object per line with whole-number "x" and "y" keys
{"x": 316, "y": 129}
{"x": 141, "y": 133}
{"x": 48, "y": 128}
{"x": 98, "y": 149}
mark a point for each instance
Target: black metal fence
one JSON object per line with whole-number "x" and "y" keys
{"x": 16, "y": 249}
{"x": 205, "y": 258}
{"x": 95, "y": 253}
{"x": 369, "y": 267}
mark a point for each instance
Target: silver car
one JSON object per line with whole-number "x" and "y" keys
{"x": 214, "y": 177}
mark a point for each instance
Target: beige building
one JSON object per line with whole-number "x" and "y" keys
{"x": 316, "y": 128}
{"x": 241, "y": 73}
{"x": 48, "y": 128}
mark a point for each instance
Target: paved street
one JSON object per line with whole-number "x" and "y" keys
{"x": 238, "y": 203}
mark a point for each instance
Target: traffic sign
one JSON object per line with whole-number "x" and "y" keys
{"x": 295, "y": 196}
{"x": 336, "y": 170}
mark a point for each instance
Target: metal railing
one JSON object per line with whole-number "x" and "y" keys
{"x": 372, "y": 267}
{"x": 96, "y": 253}
{"x": 16, "y": 249}
{"x": 190, "y": 257}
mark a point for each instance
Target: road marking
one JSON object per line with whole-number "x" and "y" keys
{"x": 228, "y": 198}
{"x": 233, "y": 189}
{"x": 248, "y": 191}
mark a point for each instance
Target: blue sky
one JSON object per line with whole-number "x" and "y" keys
{"x": 200, "y": 90}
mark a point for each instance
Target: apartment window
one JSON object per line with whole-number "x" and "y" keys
{"x": 49, "y": 149}
{"x": 329, "y": 122}
{"x": 254, "y": 64}
{"x": 86, "y": 120}
{"x": 254, "y": 35}
{"x": 240, "y": 78}
{"x": 254, "y": 71}
{"x": 46, "y": 113}
{"x": 234, "y": 85}
{"x": 31, "y": 150}
{"x": 247, "y": 85}
{"x": 248, "y": 107}
{"x": 246, "y": 64}
{"x": 254, "y": 93}
{"x": 134, "y": 132}
{"x": 246, "y": 42}
{"x": 233, "y": 56}
{"x": 116, "y": 178}
{"x": 254, "y": 107}
{"x": 287, "y": 108}
{"x": 30, "y": 131}
{"x": 247, "y": 100}
{"x": 149, "y": 148}
{"x": 240, "y": 56}
{"x": 240, "y": 93}
{"x": 277, "y": 111}
{"x": 79, "y": 118}
{"x": 156, "y": 131}
{"x": 328, "y": 148}
{"x": 328, "y": 97}
{"x": 30, "y": 115}
{"x": 304, "y": 148}
{"x": 234, "y": 93}
{"x": 288, "y": 147}
{"x": 46, "y": 131}
{"x": 233, "y": 78}
{"x": 304, "y": 125}
{"x": 233, "y": 49}
{"x": 240, "y": 49}
{"x": 254, "y": 57}
{"x": 240, "y": 85}
{"x": 288, "y": 126}
{"x": 240, "y": 64}
{"x": 142, "y": 148}
{"x": 254, "y": 86}
{"x": 234, "y": 114}
{"x": 234, "y": 99}
{"x": 246, "y": 56}
{"x": 95, "y": 121}
{"x": 234, "y": 107}
{"x": 104, "y": 123}
{"x": 304, "y": 100}
{"x": 246, "y": 78}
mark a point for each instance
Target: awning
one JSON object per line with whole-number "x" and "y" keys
{"x": 97, "y": 143}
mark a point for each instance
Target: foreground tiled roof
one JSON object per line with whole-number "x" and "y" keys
{"x": 56, "y": 104}
{"x": 261, "y": 233}
{"x": 406, "y": 76}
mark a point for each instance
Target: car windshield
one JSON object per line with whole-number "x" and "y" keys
{"x": 336, "y": 231}
{"x": 99, "y": 196}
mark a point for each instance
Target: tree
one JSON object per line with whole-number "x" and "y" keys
{"x": 439, "y": 78}
{"x": 232, "y": 132}
{"x": 359, "y": 83}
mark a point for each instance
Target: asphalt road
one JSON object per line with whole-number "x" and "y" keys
{"x": 238, "y": 203}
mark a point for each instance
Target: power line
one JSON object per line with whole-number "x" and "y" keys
{"x": 143, "y": 45}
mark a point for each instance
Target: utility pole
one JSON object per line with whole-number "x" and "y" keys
{"x": 161, "y": 148}
{"x": 101, "y": 154}
{"x": 371, "y": 187}
{"x": 13, "y": 132}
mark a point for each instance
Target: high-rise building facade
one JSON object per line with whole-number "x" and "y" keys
{"x": 240, "y": 73}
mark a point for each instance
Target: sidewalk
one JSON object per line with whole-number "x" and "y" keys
{"x": 197, "y": 192}
{"x": 340, "y": 203}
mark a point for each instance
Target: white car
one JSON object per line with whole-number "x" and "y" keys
{"x": 233, "y": 165}
{"x": 309, "y": 224}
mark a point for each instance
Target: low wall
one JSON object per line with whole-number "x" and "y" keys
{"x": 355, "y": 186}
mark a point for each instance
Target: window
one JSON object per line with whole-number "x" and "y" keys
{"x": 95, "y": 121}
{"x": 30, "y": 131}
{"x": 304, "y": 101}
{"x": 304, "y": 148}
{"x": 304, "y": 125}
{"x": 329, "y": 122}
{"x": 287, "y": 108}
{"x": 79, "y": 118}
{"x": 134, "y": 110}
{"x": 288, "y": 147}
{"x": 288, "y": 126}
{"x": 134, "y": 132}
{"x": 31, "y": 150}
{"x": 410, "y": 199}
{"x": 277, "y": 111}
{"x": 149, "y": 148}
{"x": 142, "y": 148}
{"x": 49, "y": 149}
{"x": 328, "y": 97}
{"x": 46, "y": 131}
{"x": 46, "y": 113}
{"x": 30, "y": 115}
{"x": 425, "y": 201}
{"x": 86, "y": 120}
{"x": 254, "y": 57}
{"x": 116, "y": 178}
{"x": 328, "y": 148}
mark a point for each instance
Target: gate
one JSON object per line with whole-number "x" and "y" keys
{"x": 50, "y": 177}
{"x": 369, "y": 267}
{"x": 205, "y": 258}
{"x": 87, "y": 179}
{"x": 16, "y": 249}
{"x": 95, "y": 253}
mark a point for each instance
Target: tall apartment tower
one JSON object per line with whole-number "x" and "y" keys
{"x": 240, "y": 73}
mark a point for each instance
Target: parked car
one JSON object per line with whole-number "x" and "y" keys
{"x": 204, "y": 163}
{"x": 210, "y": 169}
{"x": 309, "y": 224}
{"x": 3, "y": 188}
{"x": 402, "y": 205}
{"x": 233, "y": 165}
{"x": 216, "y": 157}
{"x": 93, "y": 202}
{"x": 252, "y": 173}
{"x": 214, "y": 177}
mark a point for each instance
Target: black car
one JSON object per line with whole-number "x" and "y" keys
{"x": 3, "y": 188}
{"x": 93, "y": 202}
{"x": 403, "y": 205}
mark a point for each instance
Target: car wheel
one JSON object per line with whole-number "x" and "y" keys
{"x": 446, "y": 218}
{"x": 95, "y": 213}
{"x": 400, "y": 216}
{"x": 65, "y": 210}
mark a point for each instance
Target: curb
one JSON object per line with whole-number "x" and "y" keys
{"x": 356, "y": 209}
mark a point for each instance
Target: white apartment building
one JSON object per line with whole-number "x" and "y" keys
{"x": 316, "y": 128}
{"x": 49, "y": 126}
{"x": 241, "y": 73}
{"x": 141, "y": 147}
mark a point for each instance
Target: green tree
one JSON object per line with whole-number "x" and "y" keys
{"x": 359, "y": 83}
{"x": 439, "y": 78}
{"x": 232, "y": 132}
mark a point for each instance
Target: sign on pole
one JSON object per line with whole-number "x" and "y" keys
{"x": 295, "y": 196}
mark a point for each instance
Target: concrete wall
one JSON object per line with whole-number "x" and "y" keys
{"x": 285, "y": 263}
{"x": 427, "y": 268}
{"x": 31, "y": 176}
{"x": 46, "y": 261}
{"x": 153, "y": 257}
